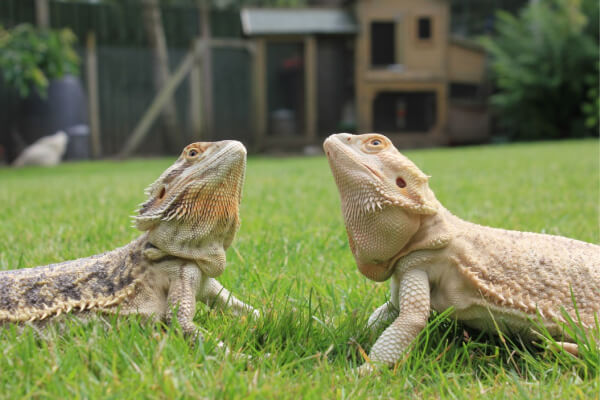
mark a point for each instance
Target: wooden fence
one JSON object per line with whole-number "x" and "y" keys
{"x": 125, "y": 70}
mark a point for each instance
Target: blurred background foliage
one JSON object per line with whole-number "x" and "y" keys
{"x": 545, "y": 68}
{"x": 30, "y": 57}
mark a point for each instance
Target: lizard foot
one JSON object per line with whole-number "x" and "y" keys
{"x": 569, "y": 348}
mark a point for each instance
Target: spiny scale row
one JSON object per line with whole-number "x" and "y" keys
{"x": 35, "y": 314}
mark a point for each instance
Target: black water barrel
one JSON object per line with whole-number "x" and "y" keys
{"x": 64, "y": 109}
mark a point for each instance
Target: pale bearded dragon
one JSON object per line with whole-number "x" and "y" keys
{"x": 188, "y": 221}
{"x": 492, "y": 278}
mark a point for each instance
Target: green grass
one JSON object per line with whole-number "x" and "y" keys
{"x": 290, "y": 259}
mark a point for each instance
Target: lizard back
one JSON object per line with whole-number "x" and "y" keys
{"x": 101, "y": 281}
{"x": 532, "y": 271}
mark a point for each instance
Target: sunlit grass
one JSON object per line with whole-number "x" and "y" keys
{"x": 290, "y": 259}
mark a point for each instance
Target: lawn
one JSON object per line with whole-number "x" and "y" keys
{"x": 291, "y": 260}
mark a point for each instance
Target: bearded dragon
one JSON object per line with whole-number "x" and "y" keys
{"x": 491, "y": 278}
{"x": 188, "y": 221}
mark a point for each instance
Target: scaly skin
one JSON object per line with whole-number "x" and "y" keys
{"x": 189, "y": 220}
{"x": 491, "y": 277}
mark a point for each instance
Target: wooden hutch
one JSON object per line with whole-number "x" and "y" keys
{"x": 387, "y": 66}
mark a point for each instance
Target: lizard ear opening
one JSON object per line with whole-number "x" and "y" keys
{"x": 413, "y": 195}
{"x": 153, "y": 210}
{"x": 147, "y": 215}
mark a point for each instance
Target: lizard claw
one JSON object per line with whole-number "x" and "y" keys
{"x": 364, "y": 370}
{"x": 195, "y": 337}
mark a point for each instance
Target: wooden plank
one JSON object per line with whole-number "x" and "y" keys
{"x": 310, "y": 86}
{"x": 159, "y": 102}
{"x": 92, "y": 89}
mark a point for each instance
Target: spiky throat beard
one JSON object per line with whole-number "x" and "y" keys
{"x": 210, "y": 201}
{"x": 377, "y": 227}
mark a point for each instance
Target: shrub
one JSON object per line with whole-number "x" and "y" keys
{"x": 30, "y": 58}
{"x": 546, "y": 71}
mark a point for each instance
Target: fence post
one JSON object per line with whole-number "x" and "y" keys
{"x": 310, "y": 87}
{"x": 92, "y": 88}
{"x": 207, "y": 75}
{"x": 195, "y": 81}
{"x": 42, "y": 13}
{"x": 259, "y": 95}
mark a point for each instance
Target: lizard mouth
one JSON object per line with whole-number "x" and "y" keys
{"x": 374, "y": 172}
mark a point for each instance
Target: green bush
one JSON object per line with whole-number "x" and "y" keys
{"x": 545, "y": 65}
{"x": 30, "y": 57}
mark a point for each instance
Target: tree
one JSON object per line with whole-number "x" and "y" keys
{"x": 546, "y": 69}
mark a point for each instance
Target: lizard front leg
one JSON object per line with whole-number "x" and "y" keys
{"x": 388, "y": 311}
{"x": 182, "y": 298}
{"x": 414, "y": 312}
{"x": 215, "y": 295}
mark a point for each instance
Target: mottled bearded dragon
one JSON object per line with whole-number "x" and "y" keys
{"x": 188, "y": 221}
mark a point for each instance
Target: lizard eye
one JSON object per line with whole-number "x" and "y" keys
{"x": 162, "y": 193}
{"x": 401, "y": 183}
{"x": 192, "y": 153}
{"x": 375, "y": 145}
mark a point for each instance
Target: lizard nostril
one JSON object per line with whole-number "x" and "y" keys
{"x": 400, "y": 182}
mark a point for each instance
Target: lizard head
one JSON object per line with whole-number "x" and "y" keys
{"x": 194, "y": 204}
{"x": 383, "y": 195}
